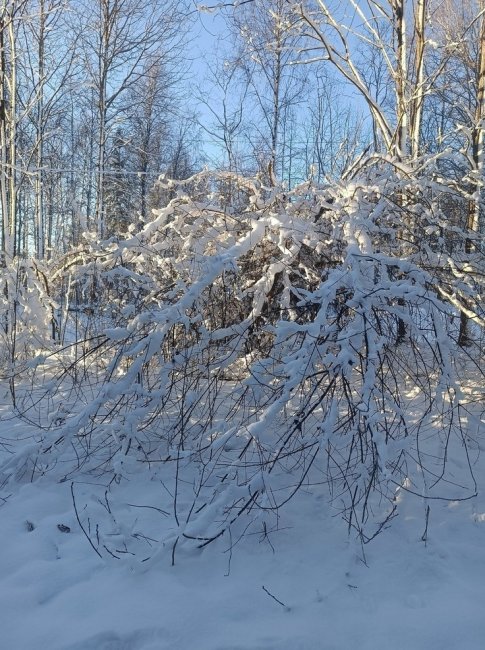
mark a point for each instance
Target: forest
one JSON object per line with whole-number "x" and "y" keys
{"x": 248, "y": 275}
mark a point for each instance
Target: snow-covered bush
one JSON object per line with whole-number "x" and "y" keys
{"x": 308, "y": 337}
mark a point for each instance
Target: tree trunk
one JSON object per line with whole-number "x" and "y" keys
{"x": 473, "y": 218}
{"x": 39, "y": 178}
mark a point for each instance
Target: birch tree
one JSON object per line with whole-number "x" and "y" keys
{"x": 50, "y": 53}
{"x": 11, "y": 13}
{"x": 119, "y": 40}
{"x": 267, "y": 34}
{"x": 394, "y": 31}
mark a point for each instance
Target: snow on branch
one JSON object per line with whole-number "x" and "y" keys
{"x": 244, "y": 350}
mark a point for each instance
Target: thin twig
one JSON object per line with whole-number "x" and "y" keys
{"x": 424, "y": 536}
{"x": 80, "y": 524}
{"x": 276, "y": 599}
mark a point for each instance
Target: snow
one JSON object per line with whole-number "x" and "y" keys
{"x": 396, "y": 593}
{"x": 145, "y": 499}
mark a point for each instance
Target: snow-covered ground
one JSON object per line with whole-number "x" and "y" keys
{"x": 397, "y": 593}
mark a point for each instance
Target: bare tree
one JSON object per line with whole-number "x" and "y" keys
{"x": 334, "y": 132}
{"x": 120, "y": 38}
{"x": 466, "y": 70}
{"x": 268, "y": 36}
{"x": 155, "y": 113}
{"x": 383, "y": 28}
{"x": 11, "y": 14}
{"x": 49, "y": 56}
{"x": 226, "y": 103}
